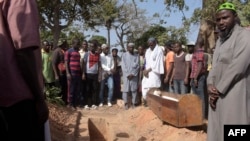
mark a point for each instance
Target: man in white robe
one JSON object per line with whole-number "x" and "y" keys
{"x": 154, "y": 67}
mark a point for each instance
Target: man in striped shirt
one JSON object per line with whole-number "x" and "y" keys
{"x": 73, "y": 71}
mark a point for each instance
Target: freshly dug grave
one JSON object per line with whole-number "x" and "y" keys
{"x": 139, "y": 124}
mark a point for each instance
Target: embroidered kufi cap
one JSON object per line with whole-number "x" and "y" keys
{"x": 104, "y": 46}
{"x": 191, "y": 43}
{"x": 226, "y": 6}
{"x": 131, "y": 44}
{"x": 114, "y": 48}
{"x": 151, "y": 39}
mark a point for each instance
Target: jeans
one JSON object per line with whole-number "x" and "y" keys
{"x": 179, "y": 87}
{"x": 75, "y": 89}
{"x": 117, "y": 86}
{"x": 168, "y": 88}
{"x": 64, "y": 88}
{"x": 200, "y": 90}
{"x": 91, "y": 89}
{"x": 83, "y": 96}
{"x": 110, "y": 83}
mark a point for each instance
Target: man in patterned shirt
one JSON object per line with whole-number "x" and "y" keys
{"x": 73, "y": 71}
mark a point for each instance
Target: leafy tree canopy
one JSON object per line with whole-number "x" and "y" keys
{"x": 101, "y": 40}
{"x": 154, "y": 31}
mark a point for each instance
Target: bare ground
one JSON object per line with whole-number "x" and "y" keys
{"x": 139, "y": 124}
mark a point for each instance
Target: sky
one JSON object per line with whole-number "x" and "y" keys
{"x": 158, "y": 6}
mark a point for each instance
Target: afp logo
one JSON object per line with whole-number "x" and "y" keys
{"x": 236, "y": 132}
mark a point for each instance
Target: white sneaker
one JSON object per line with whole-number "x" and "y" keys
{"x": 101, "y": 104}
{"x": 93, "y": 107}
{"x": 109, "y": 104}
{"x": 86, "y": 107}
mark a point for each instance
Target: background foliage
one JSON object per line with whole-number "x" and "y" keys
{"x": 71, "y": 18}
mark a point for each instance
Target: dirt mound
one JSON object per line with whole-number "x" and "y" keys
{"x": 62, "y": 123}
{"x": 147, "y": 126}
{"x": 139, "y": 124}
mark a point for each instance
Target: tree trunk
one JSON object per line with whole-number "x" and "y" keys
{"x": 108, "y": 36}
{"x": 108, "y": 25}
{"x": 120, "y": 37}
{"x": 56, "y": 30}
{"x": 207, "y": 33}
{"x": 56, "y": 35}
{"x": 207, "y": 28}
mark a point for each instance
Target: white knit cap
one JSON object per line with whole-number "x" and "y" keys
{"x": 104, "y": 46}
{"x": 191, "y": 43}
{"x": 131, "y": 44}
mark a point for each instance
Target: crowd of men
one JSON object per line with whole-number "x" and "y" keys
{"x": 90, "y": 74}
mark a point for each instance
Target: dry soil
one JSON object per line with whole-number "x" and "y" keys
{"x": 116, "y": 124}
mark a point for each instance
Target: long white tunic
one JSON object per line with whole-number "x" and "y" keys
{"x": 154, "y": 60}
